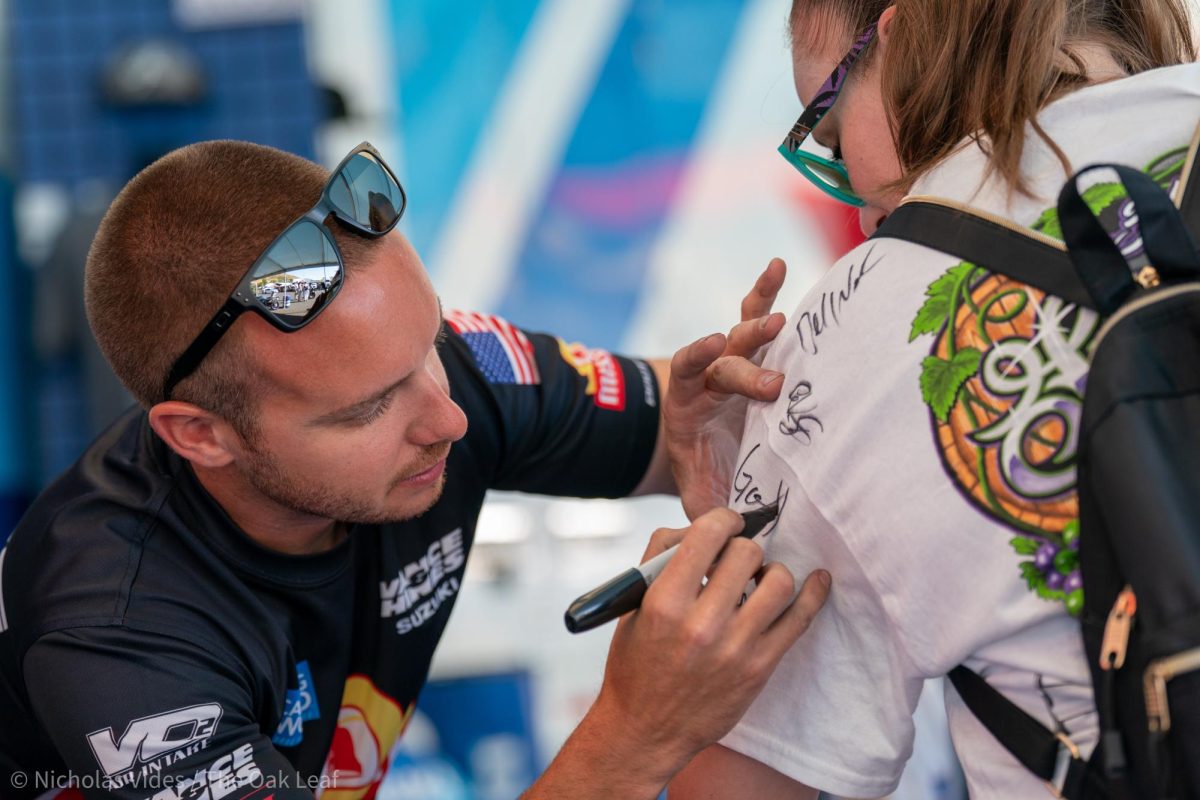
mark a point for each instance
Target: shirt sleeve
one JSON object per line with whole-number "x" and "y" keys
{"x": 150, "y": 717}
{"x": 837, "y": 714}
{"x": 549, "y": 416}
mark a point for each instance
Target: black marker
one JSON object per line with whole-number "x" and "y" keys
{"x": 624, "y": 593}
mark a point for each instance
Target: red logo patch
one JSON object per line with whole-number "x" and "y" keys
{"x": 605, "y": 380}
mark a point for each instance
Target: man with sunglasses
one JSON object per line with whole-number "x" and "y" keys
{"x": 237, "y": 591}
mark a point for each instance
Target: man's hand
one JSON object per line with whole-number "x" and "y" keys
{"x": 683, "y": 668}
{"x": 705, "y": 407}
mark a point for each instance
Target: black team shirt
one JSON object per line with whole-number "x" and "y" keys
{"x": 150, "y": 649}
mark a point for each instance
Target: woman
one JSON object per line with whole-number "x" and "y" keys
{"x": 922, "y": 447}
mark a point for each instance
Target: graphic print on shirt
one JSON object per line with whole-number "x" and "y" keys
{"x": 299, "y": 706}
{"x": 369, "y": 725}
{"x": 502, "y": 351}
{"x": 220, "y": 779}
{"x": 605, "y": 380}
{"x": 1004, "y": 384}
{"x": 148, "y": 744}
{"x": 420, "y": 587}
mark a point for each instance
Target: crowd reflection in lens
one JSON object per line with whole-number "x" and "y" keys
{"x": 296, "y": 276}
{"x": 286, "y": 296}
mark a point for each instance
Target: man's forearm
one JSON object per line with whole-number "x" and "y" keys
{"x": 659, "y": 478}
{"x": 718, "y": 773}
{"x": 686, "y": 665}
{"x": 599, "y": 762}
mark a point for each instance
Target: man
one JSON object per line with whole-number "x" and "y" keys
{"x": 237, "y": 590}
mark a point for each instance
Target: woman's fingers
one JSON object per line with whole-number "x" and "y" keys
{"x": 689, "y": 366}
{"x": 746, "y": 337}
{"x": 762, "y": 297}
{"x": 735, "y": 375}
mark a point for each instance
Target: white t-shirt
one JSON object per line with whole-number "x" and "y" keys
{"x": 925, "y": 465}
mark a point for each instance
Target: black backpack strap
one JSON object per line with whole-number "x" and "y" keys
{"x": 1006, "y": 248}
{"x": 1052, "y": 757}
{"x": 1035, "y": 260}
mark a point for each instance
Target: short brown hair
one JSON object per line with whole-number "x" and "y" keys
{"x": 982, "y": 69}
{"x": 172, "y": 247}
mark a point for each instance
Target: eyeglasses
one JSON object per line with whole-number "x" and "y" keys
{"x": 826, "y": 172}
{"x": 300, "y": 273}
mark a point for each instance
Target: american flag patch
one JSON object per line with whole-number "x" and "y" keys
{"x": 504, "y": 354}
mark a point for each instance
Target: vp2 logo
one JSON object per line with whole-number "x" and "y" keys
{"x": 148, "y": 738}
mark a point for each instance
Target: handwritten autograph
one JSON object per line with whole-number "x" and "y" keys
{"x": 812, "y": 324}
{"x": 746, "y": 490}
{"x": 800, "y": 417}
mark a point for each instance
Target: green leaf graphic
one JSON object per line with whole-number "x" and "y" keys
{"x": 1047, "y": 223}
{"x": 1098, "y": 198}
{"x": 1066, "y": 561}
{"x": 940, "y": 297}
{"x": 1024, "y": 545}
{"x": 1070, "y": 532}
{"x": 1032, "y": 575}
{"x": 1164, "y": 168}
{"x": 1046, "y": 593}
{"x": 942, "y": 379}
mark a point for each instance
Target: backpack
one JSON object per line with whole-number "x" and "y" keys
{"x": 1138, "y": 469}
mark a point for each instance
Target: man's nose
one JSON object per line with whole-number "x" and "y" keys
{"x": 442, "y": 420}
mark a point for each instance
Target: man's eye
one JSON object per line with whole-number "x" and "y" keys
{"x": 375, "y": 413}
{"x": 442, "y": 336}
{"x": 837, "y": 152}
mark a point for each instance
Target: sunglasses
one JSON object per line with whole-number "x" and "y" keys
{"x": 300, "y": 273}
{"x": 826, "y": 172}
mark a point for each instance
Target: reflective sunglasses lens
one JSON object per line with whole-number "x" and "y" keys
{"x": 295, "y": 278}
{"x": 828, "y": 175}
{"x": 831, "y": 181}
{"x": 365, "y": 192}
{"x": 819, "y": 160}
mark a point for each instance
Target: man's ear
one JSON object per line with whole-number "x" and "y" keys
{"x": 194, "y": 434}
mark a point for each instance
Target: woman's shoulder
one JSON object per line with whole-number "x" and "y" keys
{"x": 865, "y": 307}
{"x": 1090, "y": 125}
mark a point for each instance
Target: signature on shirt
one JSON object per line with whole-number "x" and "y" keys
{"x": 746, "y": 490}
{"x": 811, "y": 324}
{"x": 800, "y": 417}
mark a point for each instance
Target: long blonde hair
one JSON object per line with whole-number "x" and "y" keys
{"x": 982, "y": 69}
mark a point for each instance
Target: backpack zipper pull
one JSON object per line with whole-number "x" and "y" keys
{"x": 1148, "y": 277}
{"x": 1116, "y": 630}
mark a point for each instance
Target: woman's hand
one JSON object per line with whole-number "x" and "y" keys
{"x": 705, "y": 408}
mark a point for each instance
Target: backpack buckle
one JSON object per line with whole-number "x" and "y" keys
{"x": 1067, "y": 754}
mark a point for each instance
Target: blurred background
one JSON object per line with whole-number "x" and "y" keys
{"x": 601, "y": 169}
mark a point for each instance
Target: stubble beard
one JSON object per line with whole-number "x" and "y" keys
{"x": 263, "y": 472}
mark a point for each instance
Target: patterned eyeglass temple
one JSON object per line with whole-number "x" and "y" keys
{"x": 827, "y": 94}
